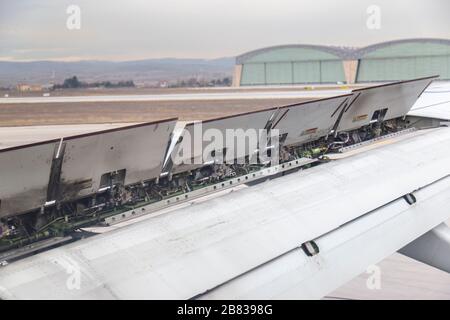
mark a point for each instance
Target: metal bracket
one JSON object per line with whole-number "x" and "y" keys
{"x": 188, "y": 196}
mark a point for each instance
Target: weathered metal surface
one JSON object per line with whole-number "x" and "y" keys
{"x": 253, "y": 121}
{"x": 398, "y": 98}
{"x": 24, "y": 176}
{"x": 189, "y": 251}
{"x": 300, "y": 123}
{"x": 309, "y": 121}
{"x": 138, "y": 149}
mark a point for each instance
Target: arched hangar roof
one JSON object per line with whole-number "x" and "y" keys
{"x": 406, "y": 47}
{"x": 305, "y": 52}
{"x": 295, "y": 52}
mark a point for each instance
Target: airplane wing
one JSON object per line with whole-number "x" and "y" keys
{"x": 295, "y": 234}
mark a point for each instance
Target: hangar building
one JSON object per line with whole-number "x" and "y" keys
{"x": 303, "y": 64}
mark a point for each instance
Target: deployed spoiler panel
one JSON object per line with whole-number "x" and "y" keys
{"x": 297, "y": 124}
{"x": 36, "y": 175}
{"x": 184, "y": 162}
{"x": 127, "y": 155}
{"x": 383, "y": 102}
{"x": 309, "y": 120}
{"x": 24, "y": 176}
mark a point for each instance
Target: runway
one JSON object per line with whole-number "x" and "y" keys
{"x": 16, "y": 136}
{"x": 401, "y": 278}
{"x": 437, "y": 90}
{"x": 301, "y": 94}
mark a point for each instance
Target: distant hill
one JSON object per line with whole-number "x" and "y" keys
{"x": 141, "y": 71}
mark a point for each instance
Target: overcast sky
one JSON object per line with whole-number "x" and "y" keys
{"x": 140, "y": 29}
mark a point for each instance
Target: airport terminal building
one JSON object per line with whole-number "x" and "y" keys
{"x": 304, "y": 64}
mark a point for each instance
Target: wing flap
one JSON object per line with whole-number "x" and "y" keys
{"x": 194, "y": 249}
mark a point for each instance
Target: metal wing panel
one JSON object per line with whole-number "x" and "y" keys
{"x": 309, "y": 121}
{"x": 440, "y": 112}
{"x": 344, "y": 253}
{"x": 186, "y": 252}
{"x": 397, "y": 97}
{"x": 253, "y": 120}
{"x": 140, "y": 150}
{"x": 24, "y": 177}
{"x": 434, "y": 102}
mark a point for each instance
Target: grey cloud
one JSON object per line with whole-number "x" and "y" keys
{"x": 137, "y": 29}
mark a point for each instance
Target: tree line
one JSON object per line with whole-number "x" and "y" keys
{"x": 74, "y": 83}
{"x": 194, "y": 83}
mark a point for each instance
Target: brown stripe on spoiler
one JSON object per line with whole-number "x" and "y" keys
{"x": 88, "y": 134}
{"x": 395, "y": 83}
